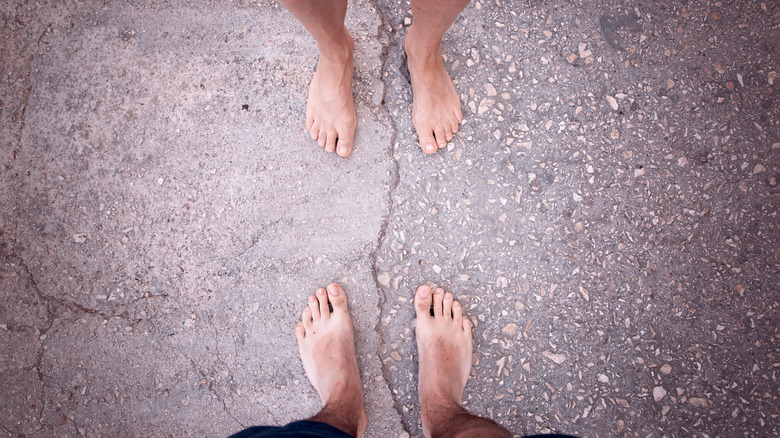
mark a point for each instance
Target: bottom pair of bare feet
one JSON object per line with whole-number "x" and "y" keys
{"x": 330, "y": 109}
{"x": 327, "y": 348}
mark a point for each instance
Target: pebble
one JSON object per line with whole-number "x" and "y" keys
{"x": 612, "y": 102}
{"x": 555, "y": 357}
{"x": 490, "y": 89}
{"x": 80, "y": 237}
{"x": 658, "y": 393}
{"x": 666, "y": 369}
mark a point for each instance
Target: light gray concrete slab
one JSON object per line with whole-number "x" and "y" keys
{"x": 168, "y": 216}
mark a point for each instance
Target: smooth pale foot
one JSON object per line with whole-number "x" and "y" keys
{"x": 444, "y": 346}
{"x": 327, "y": 348}
{"x": 330, "y": 108}
{"x": 436, "y": 113}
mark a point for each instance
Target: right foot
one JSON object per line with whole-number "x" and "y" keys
{"x": 444, "y": 345}
{"x": 327, "y": 348}
{"x": 330, "y": 109}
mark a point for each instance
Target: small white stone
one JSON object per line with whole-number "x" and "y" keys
{"x": 160, "y": 181}
{"x": 603, "y": 378}
{"x": 612, "y": 102}
{"x": 658, "y": 393}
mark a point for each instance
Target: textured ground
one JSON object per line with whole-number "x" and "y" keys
{"x": 608, "y": 214}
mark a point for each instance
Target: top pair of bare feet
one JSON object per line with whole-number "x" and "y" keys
{"x": 327, "y": 349}
{"x": 330, "y": 109}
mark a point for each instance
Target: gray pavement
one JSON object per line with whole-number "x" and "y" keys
{"x": 608, "y": 215}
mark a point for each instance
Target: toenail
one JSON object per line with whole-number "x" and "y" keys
{"x": 424, "y": 293}
{"x": 335, "y": 291}
{"x": 312, "y": 298}
{"x": 456, "y": 304}
{"x": 342, "y": 150}
{"x": 320, "y": 291}
{"x": 438, "y": 292}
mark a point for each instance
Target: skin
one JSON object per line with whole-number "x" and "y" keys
{"x": 327, "y": 348}
{"x": 330, "y": 108}
{"x": 444, "y": 345}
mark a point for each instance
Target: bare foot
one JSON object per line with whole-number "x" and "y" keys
{"x": 330, "y": 109}
{"x": 327, "y": 348}
{"x": 444, "y": 345}
{"x": 436, "y": 111}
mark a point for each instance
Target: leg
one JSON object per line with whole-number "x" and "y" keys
{"x": 330, "y": 109}
{"x": 436, "y": 111}
{"x": 327, "y": 348}
{"x": 444, "y": 346}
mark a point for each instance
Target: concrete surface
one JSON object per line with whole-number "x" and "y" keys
{"x": 608, "y": 214}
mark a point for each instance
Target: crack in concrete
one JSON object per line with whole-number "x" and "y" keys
{"x": 393, "y": 184}
{"x": 211, "y": 388}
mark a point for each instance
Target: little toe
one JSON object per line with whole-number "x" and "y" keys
{"x": 337, "y": 298}
{"x": 300, "y": 331}
{"x": 422, "y": 301}
{"x": 467, "y": 325}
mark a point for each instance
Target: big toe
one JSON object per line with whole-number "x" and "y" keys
{"x": 428, "y": 144}
{"x": 337, "y": 298}
{"x": 345, "y": 146}
{"x": 423, "y": 301}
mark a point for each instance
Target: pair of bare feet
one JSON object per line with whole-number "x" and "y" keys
{"x": 330, "y": 109}
{"x": 327, "y": 349}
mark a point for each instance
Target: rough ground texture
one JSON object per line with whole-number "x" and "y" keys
{"x": 608, "y": 214}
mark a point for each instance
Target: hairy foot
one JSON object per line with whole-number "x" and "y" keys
{"x": 436, "y": 111}
{"x": 327, "y": 348}
{"x": 444, "y": 347}
{"x": 330, "y": 109}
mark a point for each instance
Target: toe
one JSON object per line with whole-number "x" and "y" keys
{"x": 454, "y": 126}
{"x": 330, "y": 140}
{"x": 428, "y": 144}
{"x": 308, "y": 324}
{"x": 337, "y": 298}
{"x": 300, "y": 331}
{"x": 309, "y": 121}
{"x": 322, "y": 135}
{"x": 457, "y": 312}
{"x": 314, "y": 308}
{"x": 422, "y": 301}
{"x": 322, "y": 299}
{"x": 458, "y": 114}
{"x": 344, "y": 146}
{"x": 438, "y": 298}
{"x": 448, "y": 132}
{"x": 441, "y": 138}
{"x": 467, "y": 326}
{"x": 314, "y": 130}
{"x": 448, "y": 305}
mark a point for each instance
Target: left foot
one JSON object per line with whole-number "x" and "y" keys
{"x": 436, "y": 113}
{"x": 327, "y": 348}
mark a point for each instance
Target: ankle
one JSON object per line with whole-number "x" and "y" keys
{"x": 422, "y": 48}
{"x": 337, "y": 47}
